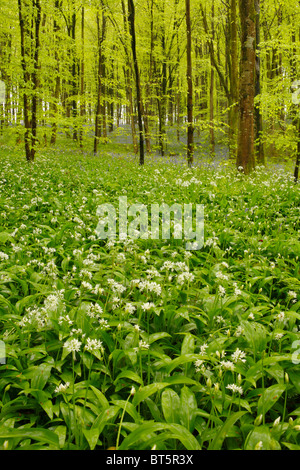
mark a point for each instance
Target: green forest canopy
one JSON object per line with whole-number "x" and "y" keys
{"x": 68, "y": 65}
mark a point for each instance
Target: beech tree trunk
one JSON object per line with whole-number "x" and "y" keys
{"x": 297, "y": 164}
{"x": 259, "y": 148}
{"x": 54, "y": 106}
{"x": 211, "y": 91}
{"x": 190, "y": 124}
{"x": 131, "y": 22}
{"x": 82, "y": 87}
{"x": 234, "y": 79}
{"x": 246, "y": 153}
{"x": 101, "y": 35}
{"x": 74, "y": 72}
{"x": 30, "y": 21}
{"x": 128, "y": 72}
{"x": 295, "y": 109}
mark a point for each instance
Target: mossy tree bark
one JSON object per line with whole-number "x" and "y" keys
{"x": 131, "y": 22}
{"x": 246, "y": 152}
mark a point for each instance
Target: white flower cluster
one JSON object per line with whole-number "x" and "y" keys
{"x": 116, "y": 287}
{"x": 3, "y": 256}
{"x": 130, "y": 308}
{"x": 172, "y": 266}
{"x": 185, "y": 277}
{"x": 94, "y": 310}
{"x": 235, "y": 388}
{"x": 93, "y": 345}
{"x": 147, "y": 285}
{"x": 147, "y": 306}
{"x": 61, "y": 388}
{"x": 36, "y": 317}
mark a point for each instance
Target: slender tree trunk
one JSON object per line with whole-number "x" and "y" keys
{"x": 297, "y": 164}
{"x": 212, "y": 91}
{"x": 103, "y": 93}
{"x": 99, "y": 87}
{"x": 246, "y": 155}
{"x": 5, "y": 60}
{"x": 131, "y": 22}
{"x": 30, "y": 49}
{"x": 190, "y": 124}
{"x": 35, "y": 79}
{"x": 163, "y": 101}
{"x": 148, "y": 108}
{"x": 234, "y": 79}
{"x": 295, "y": 109}
{"x": 57, "y": 78}
{"x": 74, "y": 73}
{"x": 111, "y": 96}
{"x": 82, "y": 98}
{"x": 128, "y": 72}
{"x": 131, "y": 112}
{"x": 26, "y": 77}
{"x": 259, "y": 148}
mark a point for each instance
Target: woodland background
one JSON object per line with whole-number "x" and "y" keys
{"x": 217, "y": 70}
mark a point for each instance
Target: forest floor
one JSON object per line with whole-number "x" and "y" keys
{"x": 142, "y": 343}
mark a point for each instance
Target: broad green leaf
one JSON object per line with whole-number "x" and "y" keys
{"x": 129, "y": 408}
{"x": 105, "y": 416}
{"x": 218, "y": 440}
{"x": 48, "y": 407}
{"x": 61, "y": 431}
{"x": 188, "y": 408}
{"x": 180, "y": 379}
{"x": 5, "y": 236}
{"x": 129, "y": 374}
{"x": 92, "y": 436}
{"x": 259, "y": 365}
{"x": 102, "y": 400}
{"x": 188, "y": 344}
{"x": 30, "y": 299}
{"x": 269, "y": 398}
{"x": 187, "y": 439}
{"x": 145, "y": 432}
{"x": 291, "y": 446}
{"x": 154, "y": 409}
{"x": 156, "y": 336}
{"x": 170, "y": 403}
{"x": 5, "y": 302}
{"x": 41, "y": 376}
{"x": 256, "y": 335}
{"x": 259, "y": 438}
{"x": 147, "y": 391}
{"x": 38, "y": 434}
{"x": 294, "y": 376}
{"x": 184, "y": 359}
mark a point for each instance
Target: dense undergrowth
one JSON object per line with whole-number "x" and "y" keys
{"x": 141, "y": 344}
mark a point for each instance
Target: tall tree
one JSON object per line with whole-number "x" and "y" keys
{"x": 82, "y": 81}
{"x": 131, "y": 22}
{"x": 259, "y": 147}
{"x": 30, "y": 20}
{"x": 212, "y": 88}
{"x": 101, "y": 31}
{"x": 234, "y": 77}
{"x": 246, "y": 152}
{"x": 57, "y": 81}
{"x": 190, "y": 123}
